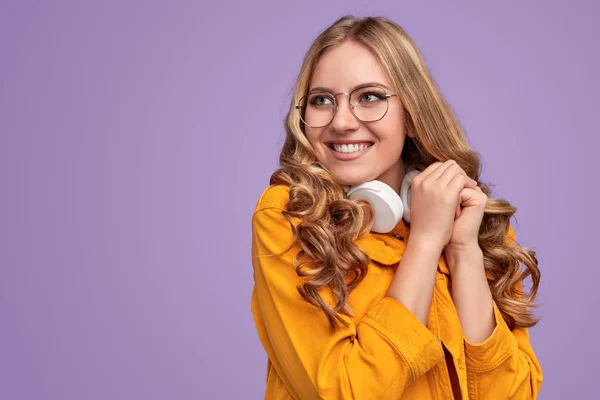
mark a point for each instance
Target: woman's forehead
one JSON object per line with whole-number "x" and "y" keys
{"x": 346, "y": 66}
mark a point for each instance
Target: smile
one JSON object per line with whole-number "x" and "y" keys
{"x": 349, "y": 151}
{"x": 349, "y": 148}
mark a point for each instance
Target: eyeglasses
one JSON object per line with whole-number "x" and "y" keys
{"x": 367, "y": 103}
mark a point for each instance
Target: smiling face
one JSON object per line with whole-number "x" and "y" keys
{"x": 352, "y": 150}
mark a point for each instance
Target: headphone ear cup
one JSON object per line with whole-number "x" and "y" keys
{"x": 387, "y": 205}
{"x": 405, "y": 191}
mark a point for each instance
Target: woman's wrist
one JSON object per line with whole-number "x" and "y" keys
{"x": 425, "y": 243}
{"x": 463, "y": 256}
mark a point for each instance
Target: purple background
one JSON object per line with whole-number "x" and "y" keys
{"x": 136, "y": 137}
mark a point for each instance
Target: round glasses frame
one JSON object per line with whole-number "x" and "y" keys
{"x": 335, "y": 104}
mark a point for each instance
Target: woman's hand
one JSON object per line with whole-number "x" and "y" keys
{"x": 470, "y": 210}
{"x": 436, "y": 195}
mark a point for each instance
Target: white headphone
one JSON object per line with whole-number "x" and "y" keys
{"x": 388, "y": 207}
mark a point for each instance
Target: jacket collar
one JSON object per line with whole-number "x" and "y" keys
{"x": 388, "y": 248}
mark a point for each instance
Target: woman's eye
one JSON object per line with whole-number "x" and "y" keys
{"x": 370, "y": 97}
{"x": 318, "y": 100}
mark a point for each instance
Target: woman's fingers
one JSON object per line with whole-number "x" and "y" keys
{"x": 443, "y": 169}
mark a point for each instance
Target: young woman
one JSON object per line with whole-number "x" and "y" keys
{"x": 433, "y": 308}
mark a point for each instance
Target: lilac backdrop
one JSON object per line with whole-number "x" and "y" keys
{"x": 136, "y": 137}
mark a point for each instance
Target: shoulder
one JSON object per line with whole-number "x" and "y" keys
{"x": 272, "y": 232}
{"x": 274, "y": 196}
{"x": 511, "y": 236}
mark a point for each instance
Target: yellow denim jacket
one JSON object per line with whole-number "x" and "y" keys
{"x": 385, "y": 352}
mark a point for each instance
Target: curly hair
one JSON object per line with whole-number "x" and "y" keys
{"x": 330, "y": 222}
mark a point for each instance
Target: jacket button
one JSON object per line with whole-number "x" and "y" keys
{"x": 397, "y": 236}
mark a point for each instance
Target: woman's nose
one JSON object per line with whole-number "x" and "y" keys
{"x": 344, "y": 119}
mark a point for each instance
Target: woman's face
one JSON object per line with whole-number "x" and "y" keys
{"x": 378, "y": 145}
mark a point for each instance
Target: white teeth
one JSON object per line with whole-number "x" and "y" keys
{"x": 350, "y": 148}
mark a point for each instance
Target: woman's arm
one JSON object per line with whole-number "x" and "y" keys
{"x": 414, "y": 279}
{"x": 471, "y": 293}
{"x": 500, "y": 363}
{"x": 376, "y": 357}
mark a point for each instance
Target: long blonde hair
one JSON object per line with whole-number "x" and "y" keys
{"x": 330, "y": 223}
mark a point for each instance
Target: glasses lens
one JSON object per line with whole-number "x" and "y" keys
{"x": 370, "y": 103}
{"x": 317, "y": 109}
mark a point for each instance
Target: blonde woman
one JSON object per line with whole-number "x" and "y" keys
{"x": 433, "y": 308}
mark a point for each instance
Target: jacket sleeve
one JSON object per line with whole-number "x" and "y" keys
{"x": 504, "y": 366}
{"x": 376, "y": 357}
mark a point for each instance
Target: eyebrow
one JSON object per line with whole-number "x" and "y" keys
{"x": 324, "y": 89}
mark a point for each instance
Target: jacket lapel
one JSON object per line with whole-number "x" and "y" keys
{"x": 381, "y": 249}
{"x": 443, "y": 318}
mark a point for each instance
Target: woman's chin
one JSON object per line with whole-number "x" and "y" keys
{"x": 351, "y": 181}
